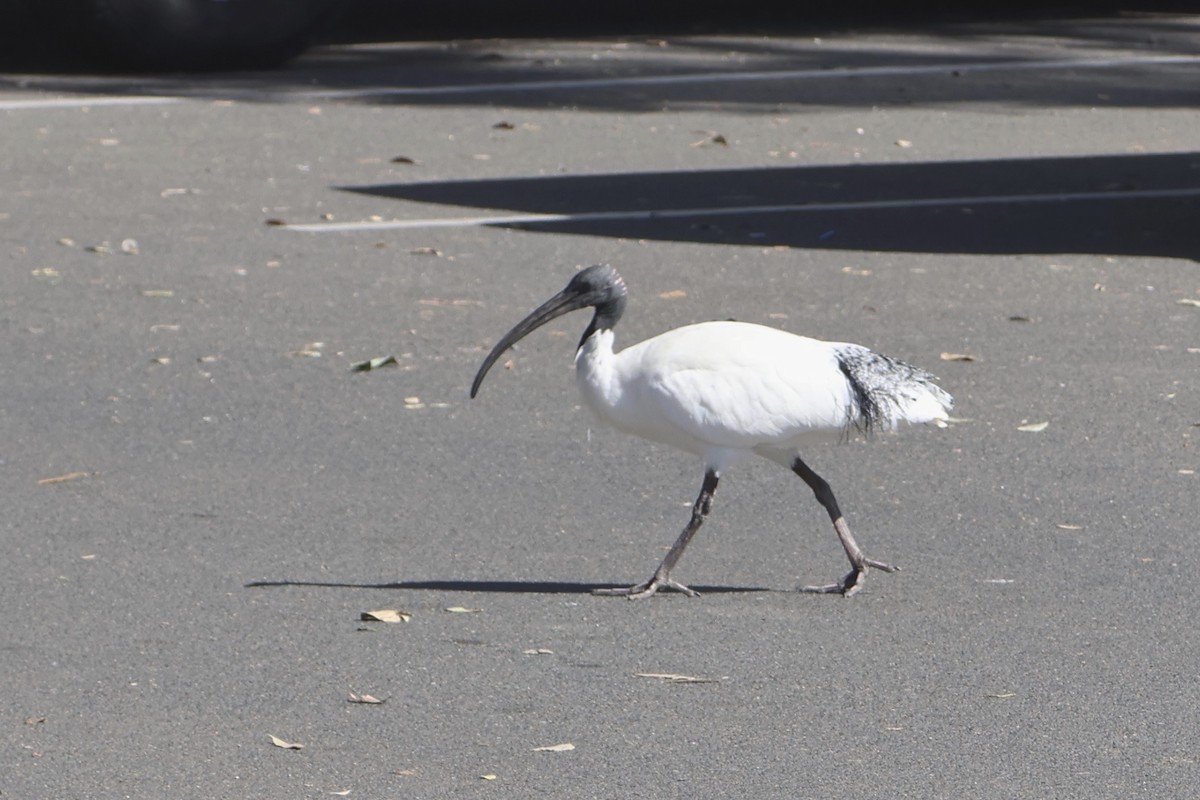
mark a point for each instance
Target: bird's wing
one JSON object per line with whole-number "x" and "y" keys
{"x": 739, "y": 385}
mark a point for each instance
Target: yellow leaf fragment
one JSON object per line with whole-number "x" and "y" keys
{"x": 491, "y": 776}
{"x": 554, "y": 748}
{"x": 275, "y": 740}
{"x": 70, "y": 476}
{"x": 386, "y": 615}
{"x": 674, "y": 294}
{"x": 1189, "y": 301}
{"x": 957, "y": 357}
{"x": 463, "y": 610}
{"x": 1066, "y": 526}
{"x": 1034, "y": 427}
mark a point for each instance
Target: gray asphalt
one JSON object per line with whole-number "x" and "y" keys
{"x": 201, "y": 498}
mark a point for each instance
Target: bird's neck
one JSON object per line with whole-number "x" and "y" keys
{"x": 595, "y": 369}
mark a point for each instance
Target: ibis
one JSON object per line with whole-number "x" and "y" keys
{"x": 727, "y": 390}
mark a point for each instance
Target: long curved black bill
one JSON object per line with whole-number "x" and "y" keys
{"x": 564, "y": 302}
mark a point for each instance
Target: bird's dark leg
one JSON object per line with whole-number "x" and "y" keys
{"x": 662, "y": 576}
{"x": 859, "y": 563}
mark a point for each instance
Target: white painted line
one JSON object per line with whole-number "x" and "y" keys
{"x": 679, "y": 79}
{"x": 85, "y": 102}
{"x": 730, "y": 211}
{"x": 744, "y": 76}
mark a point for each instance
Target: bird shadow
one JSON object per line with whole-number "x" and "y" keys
{"x": 490, "y": 587}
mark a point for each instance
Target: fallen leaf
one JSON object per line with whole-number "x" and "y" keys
{"x": 903, "y": 143}
{"x": 310, "y": 350}
{"x": 674, "y": 294}
{"x": 538, "y": 651}
{"x": 491, "y": 776}
{"x": 158, "y": 292}
{"x": 342, "y": 793}
{"x": 364, "y": 699}
{"x": 386, "y": 615}
{"x": 672, "y": 677}
{"x": 374, "y": 363}
{"x": 34, "y": 720}
{"x": 1188, "y": 301}
{"x": 1066, "y": 526}
{"x": 275, "y": 740}
{"x": 412, "y": 400}
{"x": 275, "y": 222}
{"x": 463, "y": 610}
{"x": 555, "y": 748}
{"x": 1033, "y": 427}
{"x": 711, "y": 137}
{"x": 957, "y": 357}
{"x": 1187, "y": 472}
{"x": 503, "y": 125}
{"x": 70, "y": 476}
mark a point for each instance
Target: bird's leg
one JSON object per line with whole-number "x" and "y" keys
{"x": 662, "y": 576}
{"x": 859, "y": 563}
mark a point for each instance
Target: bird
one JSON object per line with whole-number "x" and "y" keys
{"x": 727, "y": 390}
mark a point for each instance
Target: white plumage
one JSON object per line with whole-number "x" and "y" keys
{"x": 725, "y": 390}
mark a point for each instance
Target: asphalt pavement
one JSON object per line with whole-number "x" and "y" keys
{"x": 202, "y": 497}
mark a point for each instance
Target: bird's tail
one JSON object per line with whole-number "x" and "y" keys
{"x": 887, "y": 392}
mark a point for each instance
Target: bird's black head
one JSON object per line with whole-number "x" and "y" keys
{"x": 599, "y": 286}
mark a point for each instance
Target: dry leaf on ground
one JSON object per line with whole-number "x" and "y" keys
{"x": 275, "y": 740}
{"x": 1033, "y": 427}
{"x": 672, "y": 677}
{"x": 555, "y": 748}
{"x": 364, "y": 699}
{"x": 70, "y": 476}
{"x": 386, "y": 615}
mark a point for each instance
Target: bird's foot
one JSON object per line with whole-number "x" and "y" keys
{"x": 648, "y": 589}
{"x": 853, "y": 582}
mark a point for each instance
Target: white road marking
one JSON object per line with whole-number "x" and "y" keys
{"x": 85, "y": 102}
{"x": 675, "y": 213}
{"x": 747, "y": 76}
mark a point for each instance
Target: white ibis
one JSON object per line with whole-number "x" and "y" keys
{"x": 725, "y": 390}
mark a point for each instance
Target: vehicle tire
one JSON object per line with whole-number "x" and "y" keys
{"x": 200, "y": 34}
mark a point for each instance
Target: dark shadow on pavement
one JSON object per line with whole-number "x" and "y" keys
{"x": 1126, "y": 204}
{"x": 414, "y": 52}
